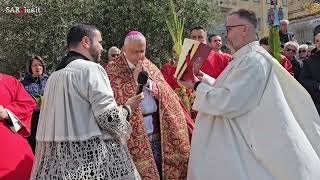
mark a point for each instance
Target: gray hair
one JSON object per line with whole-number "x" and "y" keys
{"x": 134, "y": 37}
{"x": 284, "y": 21}
{"x": 248, "y": 15}
{"x": 303, "y": 46}
{"x": 311, "y": 47}
{"x": 293, "y": 43}
{"x": 113, "y": 47}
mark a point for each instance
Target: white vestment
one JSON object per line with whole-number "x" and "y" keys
{"x": 81, "y": 129}
{"x": 255, "y": 122}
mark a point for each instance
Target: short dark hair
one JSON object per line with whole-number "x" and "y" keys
{"x": 77, "y": 32}
{"x": 197, "y": 28}
{"x": 247, "y": 15}
{"x": 264, "y": 41}
{"x": 211, "y": 36}
{"x": 39, "y": 59}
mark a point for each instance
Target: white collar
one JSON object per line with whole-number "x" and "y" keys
{"x": 245, "y": 49}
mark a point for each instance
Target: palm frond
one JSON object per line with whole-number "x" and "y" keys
{"x": 274, "y": 43}
{"x": 175, "y": 27}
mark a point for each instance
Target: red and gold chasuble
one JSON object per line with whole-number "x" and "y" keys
{"x": 175, "y": 144}
{"x": 16, "y": 156}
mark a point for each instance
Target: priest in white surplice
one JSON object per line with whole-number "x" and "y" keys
{"x": 255, "y": 121}
{"x": 82, "y": 131}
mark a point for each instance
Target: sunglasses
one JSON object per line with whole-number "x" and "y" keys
{"x": 292, "y": 50}
{"x": 114, "y": 55}
{"x": 302, "y": 51}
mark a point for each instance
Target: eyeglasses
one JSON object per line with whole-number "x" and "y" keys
{"x": 291, "y": 50}
{"x": 302, "y": 51}
{"x": 239, "y": 25}
{"x": 217, "y": 40}
{"x": 114, "y": 55}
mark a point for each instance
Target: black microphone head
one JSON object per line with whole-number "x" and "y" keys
{"x": 143, "y": 77}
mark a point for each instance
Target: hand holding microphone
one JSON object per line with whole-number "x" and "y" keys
{"x": 142, "y": 80}
{"x": 134, "y": 101}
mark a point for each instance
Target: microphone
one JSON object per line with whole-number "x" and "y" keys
{"x": 142, "y": 80}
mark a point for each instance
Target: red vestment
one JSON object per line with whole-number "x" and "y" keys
{"x": 16, "y": 156}
{"x": 173, "y": 122}
{"x": 215, "y": 63}
{"x": 168, "y": 69}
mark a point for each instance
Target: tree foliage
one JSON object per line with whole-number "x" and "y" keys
{"x": 44, "y": 33}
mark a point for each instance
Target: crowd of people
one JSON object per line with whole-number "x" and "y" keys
{"x": 253, "y": 116}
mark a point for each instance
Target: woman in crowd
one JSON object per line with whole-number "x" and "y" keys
{"x": 303, "y": 53}
{"x": 34, "y": 83}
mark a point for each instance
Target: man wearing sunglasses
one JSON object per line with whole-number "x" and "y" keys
{"x": 254, "y": 121}
{"x": 290, "y": 51}
{"x": 113, "y": 53}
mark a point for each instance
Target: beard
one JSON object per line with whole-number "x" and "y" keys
{"x": 94, "y": 53}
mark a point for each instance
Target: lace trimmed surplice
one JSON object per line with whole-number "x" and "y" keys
{"x": 95, "y": 158}
{"x": 82, "y": 132}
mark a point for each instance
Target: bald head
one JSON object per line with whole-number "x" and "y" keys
{"x": 135, "y": 47}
